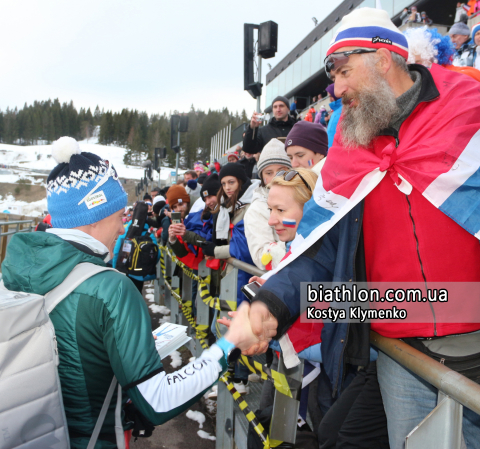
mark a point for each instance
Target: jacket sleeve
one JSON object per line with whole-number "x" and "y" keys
{"x": 178, "y": 248}
{"x": 165, "y": 225}
{"x": 258, "y": 232}
{"x": 222, "y": 252}
{"x": 281, "y": 292}
{"x": 252, "y": 142}
{"x": 135, "y": 361}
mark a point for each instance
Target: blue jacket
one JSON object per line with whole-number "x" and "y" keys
{"x": 338, "y": 256}
{"x": 119, "y": 244}
{"x": 336, "y": 107}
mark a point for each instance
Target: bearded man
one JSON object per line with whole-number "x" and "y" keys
{"x": 397, "y": 201}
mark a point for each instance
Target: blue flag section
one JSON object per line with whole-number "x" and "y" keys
{"x": 204, "y": 228}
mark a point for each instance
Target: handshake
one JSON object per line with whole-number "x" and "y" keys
{"x": 251, "y": 327}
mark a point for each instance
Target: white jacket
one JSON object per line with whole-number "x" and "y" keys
{"x": 257, "y": 230}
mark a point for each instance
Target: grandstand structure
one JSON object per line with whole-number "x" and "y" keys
{"x": 301, "y": 74}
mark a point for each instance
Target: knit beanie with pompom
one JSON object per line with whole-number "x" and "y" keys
{"x": 83, "y": 188}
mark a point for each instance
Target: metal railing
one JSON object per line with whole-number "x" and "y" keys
{"x": 443, "y": 426}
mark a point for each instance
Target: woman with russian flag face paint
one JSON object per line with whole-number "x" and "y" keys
{"x": 286, "y": 200}
{"x": 307, "y": 145}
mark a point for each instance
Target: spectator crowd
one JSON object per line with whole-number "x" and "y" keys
{"x": 344, "y": 195}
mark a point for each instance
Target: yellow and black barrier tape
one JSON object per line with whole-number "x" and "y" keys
{"x": 207, "y": 298}
{"x": 284, "y": 384}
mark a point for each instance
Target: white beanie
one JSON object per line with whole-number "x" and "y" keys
{"x": 273, "y": 153}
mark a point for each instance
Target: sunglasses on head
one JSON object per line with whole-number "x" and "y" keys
{"x": 335, "y": 60}
{"x": 290, "y": 174}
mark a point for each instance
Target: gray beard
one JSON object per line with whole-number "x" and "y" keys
{"x": 376, "y": 106}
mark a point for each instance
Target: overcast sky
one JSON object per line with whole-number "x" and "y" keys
{"x": 152, "y": 55}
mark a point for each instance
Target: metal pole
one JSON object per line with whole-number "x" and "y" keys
{"x": 178, "y": 158}
{"x": 259, "y": 80}
{"x": 446, "y": 380}
{"x": 250, "y": 269}
{"x": 229, "y": 134}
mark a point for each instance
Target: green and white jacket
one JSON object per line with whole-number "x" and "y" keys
{"x": 103, "y": 329}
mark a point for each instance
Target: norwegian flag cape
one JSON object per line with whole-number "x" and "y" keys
{"x": 438, "y": 154}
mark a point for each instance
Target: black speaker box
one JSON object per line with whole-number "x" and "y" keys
{"x": 267, "y": 39}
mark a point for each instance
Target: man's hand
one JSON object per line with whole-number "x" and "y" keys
{"x": 178, "y": 229}
{"x": 240, "y": 332}
{"x": 263, "y": 325}
{"x": 254, "y": 123}
{"x": 257, "y": 279}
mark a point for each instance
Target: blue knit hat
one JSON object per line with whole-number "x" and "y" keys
{"x": 83, "y": 188}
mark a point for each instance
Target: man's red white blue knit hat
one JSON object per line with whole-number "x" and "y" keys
{"x": 369, "y": 28}
{"x": 83, "y": 188}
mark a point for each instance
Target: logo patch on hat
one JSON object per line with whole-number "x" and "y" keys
{"x": 95, "y": 199}
{"x": 205, "y": 193}
{"x": 289, "y": 142}
{"x": 180, "y": 201}
{"x": 380, "y": 40}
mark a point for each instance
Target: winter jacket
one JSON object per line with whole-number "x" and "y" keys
{"x": 118, "y": 247}
{"x": 336, "y": 107}
{"x": 193, "y": 190}
{"x": 256, "y": 139}
{"x": 103, "y": 329}
{"x": 339, "y": 256}
{"x": 248, "y": 164}
{"x": 257, "y": 230}
{"x": 465, "y": 56}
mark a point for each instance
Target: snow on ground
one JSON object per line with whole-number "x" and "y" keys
{"x": 34, "y": 209}
{"x": 196, "y": 416}
{"x": 176, "y": 359}
{"x": 159, "y": 309}
{"x": 38, "y": 157}
{"x": 34, "y": 163}
{"x": 150, "y": 290}
{"x": 150, "y": 297}
{"x": 205, "y": 435}
{"x": 165, "y": 319}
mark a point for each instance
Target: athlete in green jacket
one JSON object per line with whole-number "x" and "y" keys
{"x": 103, "y": 327}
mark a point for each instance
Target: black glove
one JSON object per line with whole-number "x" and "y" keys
{"x": 209, "y": 248}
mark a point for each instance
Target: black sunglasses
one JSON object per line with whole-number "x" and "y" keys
{"x": 336, "y": 60}
{"x": 290, "y": 174}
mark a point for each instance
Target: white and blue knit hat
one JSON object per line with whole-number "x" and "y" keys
{"x": 475, "y": 30}
{"x": 83, "y": 188}
{"x": 369, "y": 28}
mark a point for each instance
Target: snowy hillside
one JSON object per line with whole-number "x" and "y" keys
{"x": 34, "y": 162}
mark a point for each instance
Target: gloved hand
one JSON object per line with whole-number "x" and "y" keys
{"x": 208, "y": 249}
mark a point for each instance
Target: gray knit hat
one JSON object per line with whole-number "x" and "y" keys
{"x": 460, "y": 28}
{"x": 273, "y": 153}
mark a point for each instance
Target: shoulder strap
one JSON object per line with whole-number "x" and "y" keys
{"x": 79, "y": 274}
{"x": 103, "y": 413}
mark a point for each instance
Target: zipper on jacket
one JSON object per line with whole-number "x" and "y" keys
{"x": 335, "y": 388}
{"x": 421, "y": 264}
